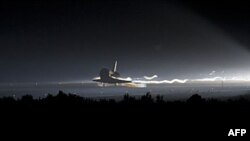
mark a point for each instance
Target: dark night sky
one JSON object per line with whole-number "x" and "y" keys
{"x": 44, "y": 40}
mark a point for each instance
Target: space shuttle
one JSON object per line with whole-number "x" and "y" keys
{"x": 111, "y": 76}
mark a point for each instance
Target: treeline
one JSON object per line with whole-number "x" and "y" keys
{"x": 63, "y": 102}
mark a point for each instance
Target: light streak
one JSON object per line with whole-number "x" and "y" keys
{"x": 209, "y": 79}
{"x": 150, "y": 77}
{"x": 162, "y": 81}
{"x": 212, "y": 73}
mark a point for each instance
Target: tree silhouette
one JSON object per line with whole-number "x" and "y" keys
{"x": 159, "y": 99}
{"x": 27, "y": 99}
{"x": 68, "y": 103}
{"x": 147, "y": 99}
{"x": 196, "y": 99}
{"x": 128, "y": 99}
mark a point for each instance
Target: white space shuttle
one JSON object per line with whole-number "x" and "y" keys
{"x": 111, "y": 76}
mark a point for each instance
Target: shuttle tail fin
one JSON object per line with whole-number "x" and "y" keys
{"x": 114, "y": 67}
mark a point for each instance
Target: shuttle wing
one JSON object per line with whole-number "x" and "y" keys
{"x": 113, "y": 80}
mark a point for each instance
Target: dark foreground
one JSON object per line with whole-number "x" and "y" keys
{"x": 144, "y": 117}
